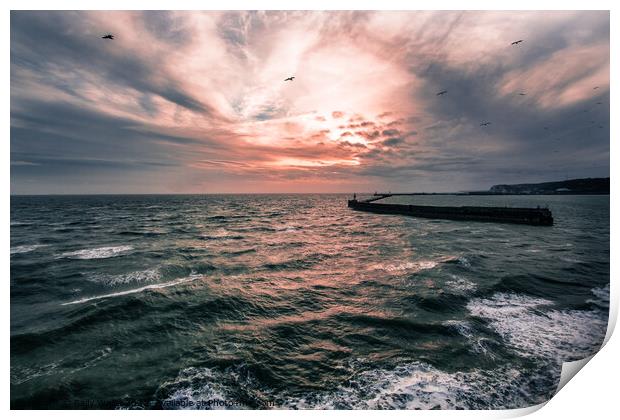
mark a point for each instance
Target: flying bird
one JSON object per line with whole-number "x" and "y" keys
{"x": 521, "y": 93}
{"x": 484, "y": 124}
{"x": 516, "y": 42}
{"x": 595, "y": 87}
{"x": 108, "y": 36}
{"x": 442, "y": 92}
{"x": 289, "y": 78}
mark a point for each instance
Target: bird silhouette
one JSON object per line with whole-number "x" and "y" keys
{"x": 595, "y": 87}
{"x": 516, "y": 42}
{"x": 289, "y": 78}
{"x": 108, "y": 36}
{"x": 522, "y": 94}
{"x": 443, "y": 92}
{"x": 484, "y": 124}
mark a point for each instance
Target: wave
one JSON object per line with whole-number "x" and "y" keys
{"x": 240, "y": 251}
{"x": 24, "y": 374}
{"x": 415, "y": 266}
{"x": 25, "y": 248}
{"x": 532, "y": 328}
{"x": 460, "y": 284}
{"x": 138, "y": 290}
{"x": 195, "y": 385}
{"x": 153, "y": 232}
{"x": 132, "y": 277}
{"x": 98, "y": 253}
{"x": 421, "y": 386}
{"x": 221, "y": 233}
{"x": 412, "y": 385}
{"x": 303, "y": 262}
{"x": 478, "y": 344}
{"x": 601, "y": 299}
{"x": 287, "y": 228}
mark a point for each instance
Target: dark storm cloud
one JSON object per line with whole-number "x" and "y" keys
{"x": 515, "y": 120}
{"x": 50, "y": 135}
{"x": 44, "y": 41}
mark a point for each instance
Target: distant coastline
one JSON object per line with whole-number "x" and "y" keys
{"x": 570, "y": 186}
{"x": 580, "y": 186}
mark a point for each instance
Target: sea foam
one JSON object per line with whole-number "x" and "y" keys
{"x": 143, "y": 276}
{"x": 414, "y": 266}
{"x": 533, "y": 328}
{"x": 414, "y": 385}
{"x": 25, "y": 248}
{"x": 98, "y": 253}
{"x": 138, "y": 290}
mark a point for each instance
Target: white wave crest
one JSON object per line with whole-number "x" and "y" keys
{"x": 533, "y": 329}
{"x": 194, "y": 386}
{"x": 98, "y": 253}
{"x": 145, "y": 276}
{"x": 138, "y": 290}
{"x": 423, "y": 387}
{"x": 460, "y": 284}
{"x": 414, "y": 385}
{"x": 414, "y": 266}
{"x": 601, "y": 297}
{"x": 25, "y": 248}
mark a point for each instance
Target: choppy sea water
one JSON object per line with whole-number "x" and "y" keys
{"x": 295, "y": 301}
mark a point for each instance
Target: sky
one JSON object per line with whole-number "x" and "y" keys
{"x": 196, "y": 102}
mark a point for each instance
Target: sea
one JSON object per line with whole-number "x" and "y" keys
{"x": 297, "y": 302}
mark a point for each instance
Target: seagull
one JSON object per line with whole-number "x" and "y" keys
{"x": 516, "y": 42}
{"x": 521, "y": 93}
{"x": 442, "y": 92}
{"x": 484, "y": 124}
{"x": 595, "y": 87}
{"x": 289, "y": 78}
{"x": 108, "y": 36}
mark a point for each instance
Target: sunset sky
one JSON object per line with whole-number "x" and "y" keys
{"x": 196, "y": 102}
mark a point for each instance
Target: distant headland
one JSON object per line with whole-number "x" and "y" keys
{"x": 570, "y": 186}
{"x": 567, "y": 187}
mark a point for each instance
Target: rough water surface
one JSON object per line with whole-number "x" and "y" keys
{"x": 295, "y": 301}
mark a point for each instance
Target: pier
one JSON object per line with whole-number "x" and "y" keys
{"x": 520, "y": 215}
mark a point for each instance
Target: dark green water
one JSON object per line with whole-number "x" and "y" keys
{"x": 295, "y": 301}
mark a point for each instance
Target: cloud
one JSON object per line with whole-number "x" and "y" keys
{"x": 196, "y": 102}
